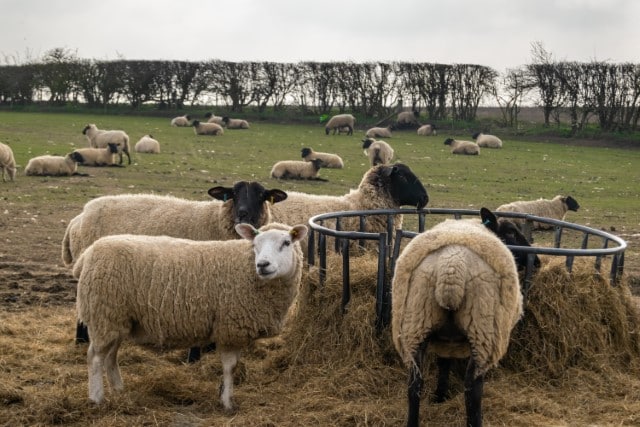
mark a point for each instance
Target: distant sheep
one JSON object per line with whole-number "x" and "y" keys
{"x": 295, "y": 169}
{"x": 98, "y": 156}
{"x": 7, "y": 162}
{"x": 53, "y": 165}
{"x": 181, "y": 121}
{"x": 555, "y": 208}
{"x": 147, "y": 144}
{"x": 456, "y": 293}
{"x": 99, "y": 138}
{"x": 235, "y": 123}
{"x": 379, "y": 152}
{"x": 340, "y": 121}
{"x": 212, "y": 118}
{"x": 408, "y": 119}
{"x": 462, "y": 147}
{"x": 207, "y": 128}
{"x": 378, "y": 132}
{"x": 427, "y": 130}
{"x": 178, "y": 293}
{"x": 328, "y": 160}
{"x": 488, "y": 141}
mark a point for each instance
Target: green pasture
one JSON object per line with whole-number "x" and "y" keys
{"x": 605, "y": 181}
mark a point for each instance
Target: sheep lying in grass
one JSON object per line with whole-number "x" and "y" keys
{"x": 235, "y": 123}
{"x": 379, "y": 152}
{"x": 212, "y": 118}
{"x": 379, "y": 132}
{"x": 54, "y": 165}
{"x": 7, "y": 162}
{"x": 340, "y": 121}
{"x": 181, "y": 121}
{"x": 207, "y": 128}
{"x": 295, "y": 169}
{"x": 427, "y": 130}
{"x": 555, "y": 208}
{"x": 328, "y": 160}
{"x": 488, "y": 141}
{"x": 99, "y": 138}
{"x": 455, "y": 292}
{"x": 231, "y": 292}
{"x": 97, "y": 156}
{"x": 408, "y": 119}
{"x": 147, "y": 144}
{"x": 462, "y": 147}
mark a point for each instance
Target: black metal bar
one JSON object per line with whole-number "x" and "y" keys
{"x": 421, "y": 221}
{"x": 383, "y": 287}
{"x": 322, "y": 255}
{"x": 338, "y": 228}
{"x": 569, "y": 263}
{"x": 346, "y": 284}
{"x": 311, "y": 250}
{"x": 558, "y": 237}
{"x": 362, "y": 224}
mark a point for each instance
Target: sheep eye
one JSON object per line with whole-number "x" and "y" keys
{"x": 286, "y": 243}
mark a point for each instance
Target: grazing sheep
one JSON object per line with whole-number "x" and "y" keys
{"x": 181, "y": 121}
{"x": 455, "y": 292}
{"x": 98, "y": 156}
{"x": 295, "y": 169}
{"x": 54, "y": 165}
{"x": 555, "y": 208}
{"x": 340, "y": 121}
{"x": 328, "y": 160}
{"x": 235, "y": 123}
{"x": 99, "y": 138}
{"x": 379, "y": 132}
{"x": 427, "y": 130}
{"x": 407, "y": 119}
{"x": 379, "y": 152}
{"x": 381, "y": 187}
{"x": 488, "y": 141}
{"x": 231, "y": 292}
{"x": 344, "y": 129}
{"x": 212, "y": 118}
{"x": 462, "y": 147}
{"x": 147, "y": 144}
{"x": 207, "y": 128}
{"x": 7, "y": 162}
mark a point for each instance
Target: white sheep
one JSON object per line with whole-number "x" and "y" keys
{"x": 99, "y": 138}
{"x": 147, "y": 144}
{"x": 53, "y": 165}
{"x": 462, "y": 147}
{"x": 235, "y": 123}
{"x": 555, "y": 208}
{"x": 408, "y": 119}
{"x": 427, "y": 130}
{"x": 381, "y": 187}
{"x": 328, "y": 160}
{"x": 98, "y": 156}
{"x": 178, "y": 292}
{"x": 488, "y": 141}
{"x": 7, "y": 162}
{"x": 339, "y": 121}
{"x": 378, "y": 151}
{"x": 296, "y": 169}
{"x": 378, "y": 132}
{"x": 207, "y": 128}
{"x": 456, "y": 293}
{"x": 181, "y": 121}
{"x": 212, "y": 118}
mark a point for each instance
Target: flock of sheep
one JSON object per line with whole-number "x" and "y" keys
{"x": 226, "y": 271}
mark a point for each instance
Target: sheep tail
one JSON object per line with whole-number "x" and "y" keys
{"x": 450, "y": 284}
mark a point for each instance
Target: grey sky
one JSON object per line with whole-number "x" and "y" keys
{"x": 496, "y": 33}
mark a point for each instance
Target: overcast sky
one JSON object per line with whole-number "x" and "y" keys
{"x": 496, "y": 33}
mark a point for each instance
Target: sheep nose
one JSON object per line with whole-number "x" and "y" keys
{"x": 262, "y": 266}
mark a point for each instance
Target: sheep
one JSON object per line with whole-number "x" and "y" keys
{"x": 295, "y": 169}
{"x": 147, "y": 144}
{"x": 408, "y": 119}
{"x": 379, "y": 152}
{"x": 54, "y": 165}
{"x": 99, "y": 138}
{"x": 328, "y": 160}
{"x": 378, "y": 132}
{"x": 181, "y": 121}
{"x": 427, "y": 130}
{"x": 98, "y": 156}
{"x": 207, "y": 128}
{"x": 212, "y": 118}
{"x": 381, "y": 187}
{"x": 455, "y": 292}
{"x": 555, "y": 208}
{"x": 7, "y": 163}
{"x": 179, "y": 292}
{"x": 462, "y": 147}
{"x": 489, "y": 141}
{"x": 339, "y": 121}
{"x": 344, "y": 129}
{"x": 235, "y": 123}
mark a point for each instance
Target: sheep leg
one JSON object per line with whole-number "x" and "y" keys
{"x": 473, "y": 395}
{"x": 415, "y": 386}
{"x": 128, "y": 157}
{"x": 229, "y": 359}
{"x": 95, "y": 366}
{"x": 444, "y": 366}
{"x": 111, "y": 366}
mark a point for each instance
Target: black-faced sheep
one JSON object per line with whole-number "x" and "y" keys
{"x": 181, "y": 121}
{"x": 328, "y": 160}
{"x": 296, "y": 169}
{"x": 339, "y": 121}
{"x": 378, "y": 152}
{"x": 488, "y": 141}
{"x": 212, "y": 118}
{"x": 97, "y": 156}
{"x": 147, "y": 144}
{"x": 230, "y": 292}
{"x": 99, "y": 138}
{"x": 235, "y": 123}
{"x": 53, "y": 165}
{"x": 427, "y": 130}
{"x": 408, "y": 119}
{"x": 207, "y": 128}
{"x": 555, "y": 208}
{"x": 7, "y": 162}
{"x": 456, "y": 293}
{"x": 378, "y": 132}
{"x": 462, "y": 147}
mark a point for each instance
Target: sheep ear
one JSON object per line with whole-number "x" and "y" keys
{"x": 275, "y": 196}
{"x": 246, "y": 231}
{"x": 489, "y": 220}
{"x": 221, "y": 193}
{"x": 298, "y": 232}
